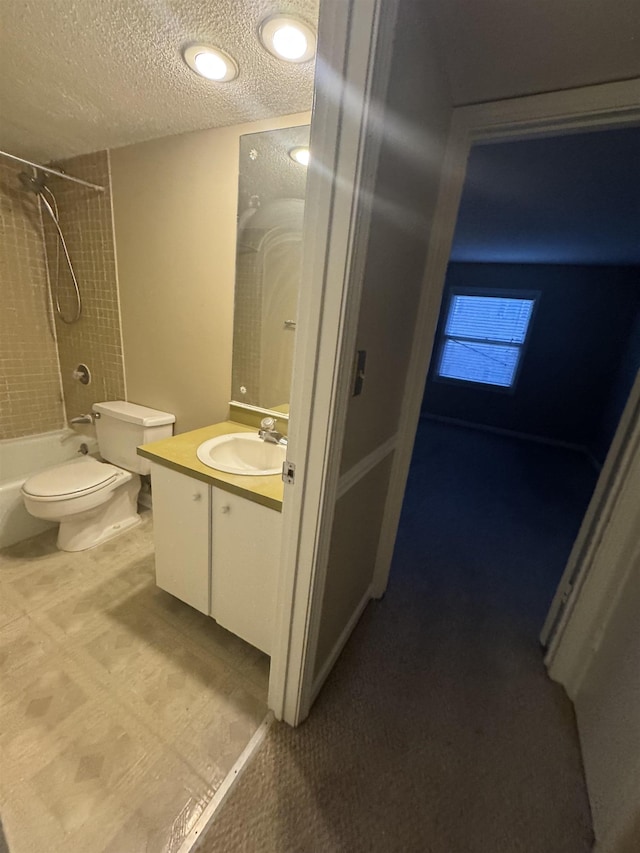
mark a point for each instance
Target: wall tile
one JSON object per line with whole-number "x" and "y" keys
{"x": 86, "y": 221}
{"x": 30, "y": 393}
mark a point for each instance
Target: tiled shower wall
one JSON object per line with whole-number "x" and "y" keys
{"x": 86, "y": 221}
{"x": 33, "y": 364}
{"x": 30, "y": 392}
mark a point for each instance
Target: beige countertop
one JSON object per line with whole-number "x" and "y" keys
{"x": 179, "y": 453}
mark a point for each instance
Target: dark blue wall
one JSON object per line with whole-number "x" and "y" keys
{"x": 578, "y": 339}
{"x": 623, "y": 381}
{"x": 572, "y": 199}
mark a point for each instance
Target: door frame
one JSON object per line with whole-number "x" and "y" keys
{"x": 600, "y": 561}
{"x": 355, "y": 39}
{"x": 601, "y": 507}
{"x": 607, "y": 105}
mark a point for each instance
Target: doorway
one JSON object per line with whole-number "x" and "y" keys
{"x": 538, "y": 340}
{"x": 535, "y": 355}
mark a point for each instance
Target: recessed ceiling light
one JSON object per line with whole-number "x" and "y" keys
{"x": 288, "y": 38}
{"x": 300, "y": 155}
{"x": 210, "y": 62}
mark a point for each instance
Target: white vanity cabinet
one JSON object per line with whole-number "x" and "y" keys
{"x": 245, "y": 554}
{"x": 181, "y": 519}
{"x": 217, "y": 552}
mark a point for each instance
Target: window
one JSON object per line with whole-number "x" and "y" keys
{"x": 484, "y": 336}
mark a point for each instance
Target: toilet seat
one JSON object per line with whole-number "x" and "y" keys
{"x": 72, "y": 480}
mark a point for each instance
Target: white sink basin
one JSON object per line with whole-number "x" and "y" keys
{"x": 242, "y": 453}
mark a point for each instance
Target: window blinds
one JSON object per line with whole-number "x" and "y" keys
{"x": 483, "y": 338}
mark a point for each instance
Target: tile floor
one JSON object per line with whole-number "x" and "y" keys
{"x": 122, "y": 709}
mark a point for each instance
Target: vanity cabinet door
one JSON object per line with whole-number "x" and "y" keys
{"x": 181, "y": 532}
{"x": 245, "y": 555}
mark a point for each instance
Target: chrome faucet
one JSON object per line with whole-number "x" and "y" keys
{"x": 268, "y": 432}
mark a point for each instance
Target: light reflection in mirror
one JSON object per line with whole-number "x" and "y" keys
{"x": 271, "y": 192}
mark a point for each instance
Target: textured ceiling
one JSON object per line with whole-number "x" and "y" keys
{"x": 267, "y": 170}
{"x": 564, "y": 200}
{"x": 77, "y": 76}
{"x": 494, "y": 49}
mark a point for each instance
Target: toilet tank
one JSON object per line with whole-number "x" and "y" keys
{"x": 121, "y": 427}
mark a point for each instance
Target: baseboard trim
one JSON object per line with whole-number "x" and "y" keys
{"x": 512, "y": 433}
{"x": 193, "y": 840}
{"x": 341, "y": 642}
{"x": 368, "y": 463}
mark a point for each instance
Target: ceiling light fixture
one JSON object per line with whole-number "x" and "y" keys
{"x": 210, "y": 62}
{"x": 300, "y": 155}
{"x": 288, "y": 38}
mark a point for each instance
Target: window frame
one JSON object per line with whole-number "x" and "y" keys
{"x": 504, "y": 293}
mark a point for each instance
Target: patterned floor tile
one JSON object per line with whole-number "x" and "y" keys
{"x": 181, "y": 685}
{"x": 201, "y": 629}
{"x": 255, "y": 667}
{"x": 22, "y": 644}
{"x": 44, "y": 584}
{"x": 222, "y": 729}
{"x": 11, "y": 606}
{"x": 20, "y": 808}
{"x": 27, "y": 555}
{"x": 84, "y": 612}
{"x": 84, "y": 780}
{"x": 122, "y": 708}
{"x": 166, "y": 814}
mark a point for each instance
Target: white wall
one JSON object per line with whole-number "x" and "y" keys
{"x": 495, "y": 50}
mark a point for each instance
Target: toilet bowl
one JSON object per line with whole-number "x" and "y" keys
{"x": 93, "y": 501}
{"x": 96, "y": 500}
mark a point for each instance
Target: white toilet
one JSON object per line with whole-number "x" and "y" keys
{"x": 95, "y": 501}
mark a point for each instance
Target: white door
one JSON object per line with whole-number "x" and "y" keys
{"x": 353, "y": 36}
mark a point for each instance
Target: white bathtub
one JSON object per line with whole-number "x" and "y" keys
{"x": 21, "y": 457}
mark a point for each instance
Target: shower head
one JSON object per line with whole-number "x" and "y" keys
{"x": 33, "y": 183}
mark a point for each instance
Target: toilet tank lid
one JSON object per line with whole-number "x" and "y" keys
{"x": 134, "y": 414}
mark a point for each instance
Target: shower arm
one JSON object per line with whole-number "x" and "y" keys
{"x": 51, "y": 171}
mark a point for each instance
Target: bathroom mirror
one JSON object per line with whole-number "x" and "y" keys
{"x": 271, "y": 192}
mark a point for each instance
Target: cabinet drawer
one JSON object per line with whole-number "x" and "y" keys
{"x": 181, "y": 519}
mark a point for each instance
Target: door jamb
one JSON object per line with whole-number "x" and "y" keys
{"x": 601, "y": 507}
{"x": 603, "y": 561}
{"x": 606, "y": 105}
